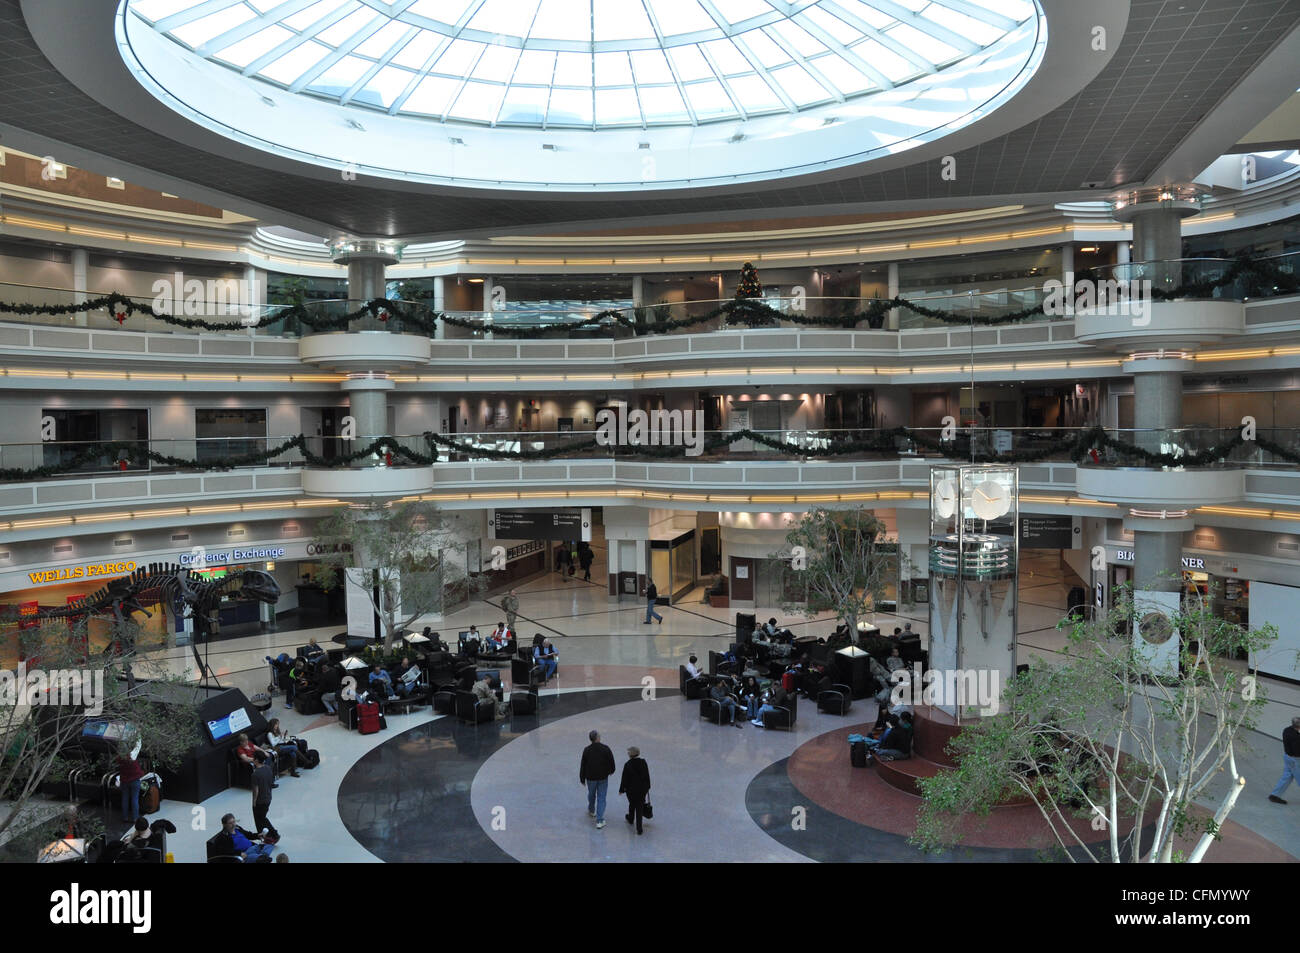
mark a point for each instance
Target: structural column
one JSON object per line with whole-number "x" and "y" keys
{"x": 439, "y": 305}
{"x": 893, "y": 293}
{"x": 1156, "y": 215}
{"x": 367, "y": 260}
{"x": 1158, "y": 531}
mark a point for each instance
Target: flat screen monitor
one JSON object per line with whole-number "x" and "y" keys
{"x": 107, "y": 729}
{"x": 228, "y": 725}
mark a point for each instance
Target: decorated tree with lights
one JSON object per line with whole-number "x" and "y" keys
{"x": 749, "y": 286}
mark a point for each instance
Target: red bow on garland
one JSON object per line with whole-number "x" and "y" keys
{"x": 120, "y": 317}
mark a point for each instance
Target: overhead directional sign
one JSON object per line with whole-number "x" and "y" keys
{"x": 538, "y": 524}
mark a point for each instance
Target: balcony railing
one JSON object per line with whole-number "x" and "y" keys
{"x": 1193, "y": 278}
{"x": 1197, "y": 448}
{"x": 1208, "y": 278}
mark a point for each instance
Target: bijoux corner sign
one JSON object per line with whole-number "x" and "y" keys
{"x": 1189, "y": 562}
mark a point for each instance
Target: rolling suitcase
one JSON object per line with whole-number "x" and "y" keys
{"x": 367, "y": 718}
{"x": 150, "y": 794}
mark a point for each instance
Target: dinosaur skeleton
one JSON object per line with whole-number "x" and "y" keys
{"x": 122, "y": 598}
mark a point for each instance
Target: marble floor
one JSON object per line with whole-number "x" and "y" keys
{"x": 430, "y": 788}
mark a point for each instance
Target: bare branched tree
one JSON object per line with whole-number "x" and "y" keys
{"x": 841, "y": 560}
{"x": 1101, "y": 738}
{"x": 397, "y": 554}
{"x": 44, "y": 706}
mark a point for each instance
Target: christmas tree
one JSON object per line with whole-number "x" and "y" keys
{"x": 749, "y": 286}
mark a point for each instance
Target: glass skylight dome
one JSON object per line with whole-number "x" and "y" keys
{"x": 605, "y": 77}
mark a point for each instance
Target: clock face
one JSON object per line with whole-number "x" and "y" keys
{"x": 990, "y": 500}
{"x": 945, "y": 498}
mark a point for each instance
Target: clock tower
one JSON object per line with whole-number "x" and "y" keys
{"x": 974, "y": 559}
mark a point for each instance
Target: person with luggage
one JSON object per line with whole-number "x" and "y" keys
{"x": 511, "y": 606}
{"x": 635, "y": 783}
{"x": 896, "y": 743}
{"x": 129, "y": 775}
{"x": 284, "y": 746}
{"x": 596, "y": 766}
{"x": 381, "y": 683}
{"x": 651, "y": 597}
{"x": 263, "y": 781}
{"x": 247, "y": 751}
{"x": 297, "y": 680}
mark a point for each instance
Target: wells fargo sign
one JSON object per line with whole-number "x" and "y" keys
{"x": 47, "y": 576}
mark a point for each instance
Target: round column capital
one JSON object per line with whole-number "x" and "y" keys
{"x": 344, "y": 251}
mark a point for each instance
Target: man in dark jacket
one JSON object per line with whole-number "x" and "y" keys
{"x": 636, "y": 785}
{"x": 329, "y": 686}
{"x": 263, "y": 781}
{"x": 896, "y": 743}
{"x": 594, "y": 771}
{"x": 1290, "y": 761}
{"x": 585, "y": 559}
{"x": 233, "y": 839}
{"x": 651, "y": 596}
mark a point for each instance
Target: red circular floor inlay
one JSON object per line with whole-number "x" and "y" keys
{"x": 820, "y": 770}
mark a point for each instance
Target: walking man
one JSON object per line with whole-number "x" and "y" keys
{"x": 651, "y": 596}
{"x": 594, "y": 771}
{"x": 511, "y": 604}
{"x": 636, "y": 785}
{"x": 263, "y": 781}
{"x": 585, "y": 558}
{"x": 1290, "y": 761}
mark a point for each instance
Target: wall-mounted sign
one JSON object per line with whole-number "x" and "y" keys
{"x": 229, "y": 557}
{"x": 1050, "y": 532}
{"x": 1188, "y": 562}
{"x": 47, "y": 576}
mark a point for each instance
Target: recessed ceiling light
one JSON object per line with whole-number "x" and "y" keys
{"x": 643, "y": 145}
{"x": 268, "y": 100}
{"x": 356, "y": 125}
{"x": 737, "y": 137}
{"x": 548, "y": 146}
{"x": 830, "y": 119}
{"x": 456, "y": 140}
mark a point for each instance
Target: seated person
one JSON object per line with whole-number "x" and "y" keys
{"x": 483, "y": 692}
{"x": 895, "y": 661}
{"x": 896, "y": 742}
{"x": 297, "y": 680}
{"x": 247, "y": 751}
{"x": 546, "y": 656}
{"x": 776, "y": 699}
{"x": 381, "y": 683}
{"x": 312, "y": 651}
{"x": 692, "y": 669}
{"x": 284, "y": 746}
{"x": 138, "y": 836}
{"x": 498, "y": 638}
{"x": 408, "y": 677}
{"x": 750, "y": 694}
{"x": 233, "y": 839}
{"x": 328, "y": 679}
{"x": 897, "y": 632}
{"x": 728, "y": 704}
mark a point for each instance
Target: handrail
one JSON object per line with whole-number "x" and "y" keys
{"x": 1200, "y": 447}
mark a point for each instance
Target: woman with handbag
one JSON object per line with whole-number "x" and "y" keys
{"x": 635, "y": 783}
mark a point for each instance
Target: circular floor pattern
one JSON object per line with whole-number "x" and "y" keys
{"x": 408, "y": 799}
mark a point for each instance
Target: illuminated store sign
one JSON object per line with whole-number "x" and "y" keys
{"x": 80, "y": 572}
{"x": 230, "y": 556}
{"x": 1189, "y": 562}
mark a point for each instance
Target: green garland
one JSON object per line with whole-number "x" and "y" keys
{"x": 1257, "y": 273}
{"x": 1086, "y": 444}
